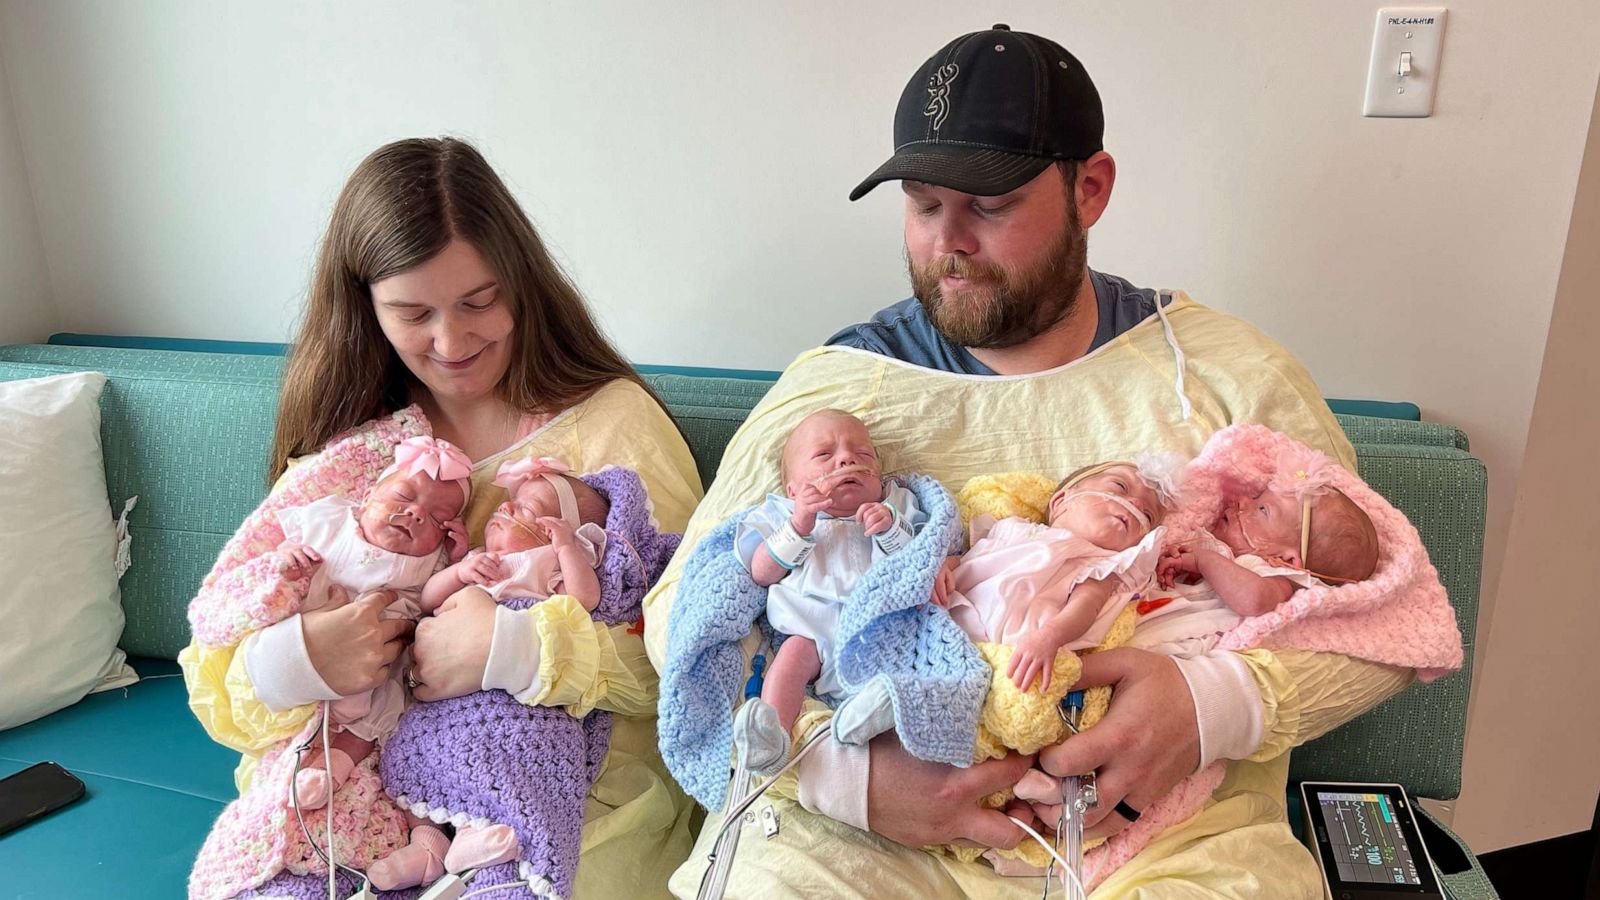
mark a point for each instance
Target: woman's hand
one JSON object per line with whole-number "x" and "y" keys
{"x": 917, "y": 803}
{"x": 349, "y": 645}
{"x": 1148, "y": 741}
{"x": 452, "y": 646}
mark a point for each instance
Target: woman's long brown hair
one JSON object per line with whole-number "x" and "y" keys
{"x": 401, "y": 206}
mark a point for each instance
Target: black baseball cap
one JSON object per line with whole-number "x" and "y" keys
{"x": 989, "y": 112}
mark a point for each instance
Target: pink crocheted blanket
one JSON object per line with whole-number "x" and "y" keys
{"x": 257, "y": 836}
{"x": 1400, "y": 616}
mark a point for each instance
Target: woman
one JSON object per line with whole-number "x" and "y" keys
{"x": 435, "y": 308}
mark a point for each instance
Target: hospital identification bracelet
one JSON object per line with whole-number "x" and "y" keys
{"x": 788, "y": 548}
{"x": 896, "y": 537}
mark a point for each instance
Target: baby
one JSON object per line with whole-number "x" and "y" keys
{"x": 809, "y": 549}
{"x": 1299, "y": 532}
{"x": 1044, "y": 588}
{"x": 391, "y": 541}
{"x": 546, "y": 539}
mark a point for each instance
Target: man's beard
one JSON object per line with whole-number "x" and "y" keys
{"x": 1022, "y": 303}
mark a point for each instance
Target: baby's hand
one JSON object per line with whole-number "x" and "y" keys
{"x": 561, "y": 533}
{"x": 302, "y": 560}
{"x": 455, "y": 540}
{"x": 1034, "y": 658}
{"x": 1177, "y": 561}
{"x": 482, "y": 569}
{"x": 875, "y": 518}
{"x": 945, "y": 581}
{"x": 810, "y": 501}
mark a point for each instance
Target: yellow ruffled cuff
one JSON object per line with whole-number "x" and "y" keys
{"x": 224, "y": 700}
{"x": 584, "y": 665}
{"x": 1305, "y": 695}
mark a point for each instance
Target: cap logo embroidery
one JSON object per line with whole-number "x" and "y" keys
{"x": 939, "y": 93}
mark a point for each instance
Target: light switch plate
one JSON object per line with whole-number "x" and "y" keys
{"x": 1418, "y": 31}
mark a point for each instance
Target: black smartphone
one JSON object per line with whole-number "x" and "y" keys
{"x": 35, "y": 791}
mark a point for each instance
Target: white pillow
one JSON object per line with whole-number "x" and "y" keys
{"x": 60, "y": 611}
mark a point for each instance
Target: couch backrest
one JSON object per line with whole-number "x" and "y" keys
{"x": 188, "y": 433}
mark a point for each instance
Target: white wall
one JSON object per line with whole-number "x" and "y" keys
{"x": 1538, "y": 676}
{"x": 26, "y": 312}
{"x": 691, "y": 161}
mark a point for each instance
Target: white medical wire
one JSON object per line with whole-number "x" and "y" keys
{"x": 1066, "y": 870}
{"x": 1177, "y": 356}
{"x": 494, "y": 887}
{"x": 737, "y": 811}
{"x": 294, "y": 801}
{"x": 327, "y": 766}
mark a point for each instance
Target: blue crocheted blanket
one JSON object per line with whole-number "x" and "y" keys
{"x": 888, "y": 628}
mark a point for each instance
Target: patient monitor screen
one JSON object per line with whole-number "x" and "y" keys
{"x": 1368, "y": 845}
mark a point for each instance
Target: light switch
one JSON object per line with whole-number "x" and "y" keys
{"x": 1403, "y": 72}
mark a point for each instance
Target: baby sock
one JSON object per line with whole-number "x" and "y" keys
{"x": 313, "y": 784}
{"x": 475, "y": 848}
{"x": 419, "y": 862}
{"x": 759, "y": 738}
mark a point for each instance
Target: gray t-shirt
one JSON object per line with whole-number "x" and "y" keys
{"x": 904, "y": 331}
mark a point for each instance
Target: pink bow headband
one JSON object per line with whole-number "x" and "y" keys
{"x": 438, "y": 459}
{"x": 1302, "y": 473}
{"x": 513, "y": 475}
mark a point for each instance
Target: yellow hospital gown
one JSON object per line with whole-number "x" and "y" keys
{"x": 1116, "y": 401}
{"x": 636, "y": 824}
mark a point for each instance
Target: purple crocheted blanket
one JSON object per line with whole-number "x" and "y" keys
{"x": 487, "y": 759}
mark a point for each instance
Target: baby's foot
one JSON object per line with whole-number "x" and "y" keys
{"x": 759, "y": 738}
{"x": 419, "y": 862}
{"x": 1037, "y": 787}
{"x": 312, "y": 784}
{"x": 475, "y": 848}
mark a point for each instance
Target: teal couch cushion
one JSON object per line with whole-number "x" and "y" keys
{"x": 154, "y": 783}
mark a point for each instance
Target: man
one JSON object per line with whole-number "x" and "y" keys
{"x": 1014, "y": 355}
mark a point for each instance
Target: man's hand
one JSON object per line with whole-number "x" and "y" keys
{"x": 301, "y": 560}
{"x": 1148, "y": 741}
{"x": 484, "y": 568}
{"x": 875, "y": 518}
{"x": 807, "y": 503}
{"x": 917, "y": 803}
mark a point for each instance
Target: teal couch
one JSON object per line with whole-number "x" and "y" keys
{"x": 188, "y": 431}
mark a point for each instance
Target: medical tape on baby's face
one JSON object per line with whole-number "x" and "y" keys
{"x": 565, "y": 496}
{"x": 821, "y": 483}
{"x": 1124, "y": 502}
